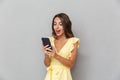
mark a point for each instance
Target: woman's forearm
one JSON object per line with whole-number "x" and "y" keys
{"x": 64, "y": 61}
{"x": 47, "y": 61}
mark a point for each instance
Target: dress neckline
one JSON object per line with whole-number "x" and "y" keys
{"x": 62, "y": 46}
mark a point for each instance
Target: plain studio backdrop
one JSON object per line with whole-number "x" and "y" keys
{"x": 24, "y": 22}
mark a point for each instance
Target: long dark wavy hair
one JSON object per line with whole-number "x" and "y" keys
{"x": 66, "y": 25}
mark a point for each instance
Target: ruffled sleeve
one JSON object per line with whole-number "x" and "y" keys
{"x": 72, "y": 42}
{"x": 51, "y": 41}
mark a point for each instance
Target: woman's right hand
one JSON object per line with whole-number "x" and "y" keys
{"x": 46, "y": 50}
{"x": 47, "y": 59}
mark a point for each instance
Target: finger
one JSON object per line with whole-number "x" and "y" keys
{"x": 49, "y": 53}
{"x": 52, "y": 54}
{"x": 48, "y": 49}
{"x": 46, "y": 46}
{"x": 45, "y": 51}
{"x": 54, "y": 49}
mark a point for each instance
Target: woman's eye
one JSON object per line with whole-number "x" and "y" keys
{"x": 60, "y": 24}
{"x": 54, "y": 24}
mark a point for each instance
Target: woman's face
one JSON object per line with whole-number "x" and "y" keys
{"x": 58, "y": 27}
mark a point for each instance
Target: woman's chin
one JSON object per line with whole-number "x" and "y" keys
{"x": 57, "y": 35}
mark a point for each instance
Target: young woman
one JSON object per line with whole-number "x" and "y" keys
{"x": 62, "y": 57}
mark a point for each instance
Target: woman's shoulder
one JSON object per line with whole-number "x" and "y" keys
{"x": 75, "y": 40}
{"x": 51, "y": 39}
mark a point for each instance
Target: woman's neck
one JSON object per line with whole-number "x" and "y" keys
{"x": 61, "y": 38}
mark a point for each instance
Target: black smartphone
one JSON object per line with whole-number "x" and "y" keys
{"x": 46, "y": 41}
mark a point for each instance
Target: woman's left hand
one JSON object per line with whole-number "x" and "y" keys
{"x": 52, "y": 52}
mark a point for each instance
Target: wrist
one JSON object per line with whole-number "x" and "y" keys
{"x": 55, "y": 55}
{"x": 46, "y": 55}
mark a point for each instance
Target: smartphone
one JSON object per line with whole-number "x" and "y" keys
{"x": 46, "y": 41}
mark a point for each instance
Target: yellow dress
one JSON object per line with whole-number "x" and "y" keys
{"x": 56, "y": 70}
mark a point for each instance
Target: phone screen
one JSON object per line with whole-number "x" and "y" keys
{"x": 46, "y": 41}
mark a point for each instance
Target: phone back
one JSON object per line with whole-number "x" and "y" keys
{"x": 46, "y": 41}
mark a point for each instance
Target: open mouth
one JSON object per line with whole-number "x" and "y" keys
{"x": 57, "y": 31}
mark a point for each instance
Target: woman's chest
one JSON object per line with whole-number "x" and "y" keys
{"x": 59, "y": 45}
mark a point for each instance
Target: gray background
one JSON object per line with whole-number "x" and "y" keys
{"x": 24, "y": 22}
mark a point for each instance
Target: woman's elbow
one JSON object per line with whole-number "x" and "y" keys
{"x": 71, "y": 65}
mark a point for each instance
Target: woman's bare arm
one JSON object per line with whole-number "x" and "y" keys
{"x": 47, "y": 60}
{"x": 68, "y": 62}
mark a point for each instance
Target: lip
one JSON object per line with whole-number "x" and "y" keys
{"x": 57, "y": 32}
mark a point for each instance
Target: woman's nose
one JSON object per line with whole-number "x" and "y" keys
{"x": 57, "y": 26}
